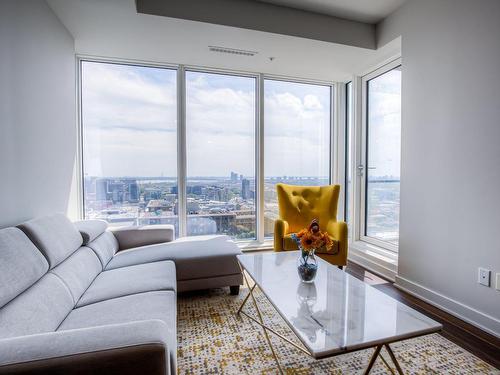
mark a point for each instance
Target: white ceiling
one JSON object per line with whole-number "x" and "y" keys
{"x": 369, "y": 11}
{"x": 113, "y": 28}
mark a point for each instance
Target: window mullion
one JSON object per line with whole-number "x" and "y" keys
{"x": 181, "y": 151}
{"x": 357, "y": 155}
{"x": 259, "y": 156}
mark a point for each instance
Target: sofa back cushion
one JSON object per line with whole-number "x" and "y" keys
{"x": 55, "y": 236}
{"x": 21, "y": 264}
{"x": 105, "y": 246}
{"x": 78, "y": 271}
{"x": 91, "y": 229}
{"x": 41, "y": 308}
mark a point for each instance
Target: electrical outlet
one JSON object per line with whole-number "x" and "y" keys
{"x": 497, "y": 286}
{"x": 483, "y": 276}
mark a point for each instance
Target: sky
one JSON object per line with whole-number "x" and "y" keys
{"x": 129, "y": 118}
{"x": 384, "y": 125}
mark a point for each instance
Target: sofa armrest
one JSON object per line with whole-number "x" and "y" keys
{"x": 130, "y": 348}
{"x": 280, "y": 230}
{"x": 129, "y": 237}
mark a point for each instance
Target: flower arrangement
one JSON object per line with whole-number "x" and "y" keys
{"x": 308, "y": 240}
{"x": 312, "y": 238}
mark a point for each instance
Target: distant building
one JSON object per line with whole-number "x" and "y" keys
{"x": 245, "y": 188}
{"x": 133, "y": 191}
{"x": 101, "y": 188}
{"x": 234, "y": 177}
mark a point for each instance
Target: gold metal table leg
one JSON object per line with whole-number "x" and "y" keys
{"x": 246, "y": 298}
{"x": 385, "y": 363}
{"x": 377, "y": 353}
{"x": 394, "y": 359}
{"x": 262, "y": 324}
{"x": 372, "y": 359}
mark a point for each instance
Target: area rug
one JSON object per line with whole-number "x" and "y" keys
{"x": 213, "y": 340}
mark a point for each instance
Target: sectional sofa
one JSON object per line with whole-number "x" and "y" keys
{"x": 76, "y": 298}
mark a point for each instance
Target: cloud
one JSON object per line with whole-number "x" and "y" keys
{"x": 130, "y": 120}
{"x": 120, "y": 96}
{"x": 311, "y": 102}
{"x": 384, "y": 119}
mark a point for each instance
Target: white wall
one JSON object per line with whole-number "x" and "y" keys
{"x": 37, "y": 113}
{"x": 450, "y": 180}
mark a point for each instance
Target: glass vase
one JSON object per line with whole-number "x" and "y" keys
{"x": 307, "y": 266}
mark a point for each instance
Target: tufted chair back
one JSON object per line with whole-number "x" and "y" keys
{"x": 299, "y": 205}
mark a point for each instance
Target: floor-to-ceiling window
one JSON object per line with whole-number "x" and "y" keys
{"x": 176, "y": 145}
{"x": 297, "y": 128}
{"x": 129, "y": 118}
{"x": 220, "y": 151}
{"x": 382, "y": 156}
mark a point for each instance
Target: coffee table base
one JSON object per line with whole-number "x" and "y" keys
{"x": 260, "y": 321}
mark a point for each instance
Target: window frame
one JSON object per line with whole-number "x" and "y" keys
{"x": 348, "y": 122}
{"x": 79, "y": 159}
{"x": 335, "y": 166}
{"x": 185, "y": 69}
{"x": 361, "y": 164}
{"x": 336, "y": 170}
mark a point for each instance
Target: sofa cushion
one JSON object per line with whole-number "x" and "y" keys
{"x": 159, "y": 305}
{"x": 21, "y": 264}
{"x": 127, "y": 348}
{"x": 91, "y": 229}
{"x": 194, "y": 257}
{"x": 105, "y": 246}
{"x": 55, "y": 236}
{"x": 78, "y": 271}
{"x": 124, "y": 281}
{"x": 41, "y": 308}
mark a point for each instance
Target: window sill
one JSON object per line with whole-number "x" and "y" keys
{"x": 255, "y": 245}
{"x": 374, "y": 258}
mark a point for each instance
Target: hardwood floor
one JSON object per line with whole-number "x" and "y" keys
{"x": 469, "y": 337}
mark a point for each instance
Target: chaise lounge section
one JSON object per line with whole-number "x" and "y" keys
{"x": 76, "y": 298}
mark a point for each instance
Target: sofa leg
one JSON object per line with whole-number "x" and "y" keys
{"x": 235, "y": 290}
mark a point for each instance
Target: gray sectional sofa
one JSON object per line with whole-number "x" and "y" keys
{"x": 76, "y": 298}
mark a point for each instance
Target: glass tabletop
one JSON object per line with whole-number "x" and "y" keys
{"x": 335, "y": 313}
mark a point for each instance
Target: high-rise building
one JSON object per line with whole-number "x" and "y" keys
{"x": 133, "y": 191}
{"x": 245, "y": 188}
{"x": 101, "y": 188}
{"x": 234, "y": 177}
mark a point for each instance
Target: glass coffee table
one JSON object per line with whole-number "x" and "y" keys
{"x": 335, "y": 314}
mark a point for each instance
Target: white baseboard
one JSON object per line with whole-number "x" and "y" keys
{"x": 477, "y": 318}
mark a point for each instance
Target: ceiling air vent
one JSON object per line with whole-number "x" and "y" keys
{"x": 232, "y": 51}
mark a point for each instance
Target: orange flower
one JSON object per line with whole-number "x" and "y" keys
{"x": 310, "y": 240}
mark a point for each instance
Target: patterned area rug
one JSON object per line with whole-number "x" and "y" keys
{"x": 213, "y": 340}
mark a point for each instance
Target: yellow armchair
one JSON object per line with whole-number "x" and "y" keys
{"x": 298, "y": 206}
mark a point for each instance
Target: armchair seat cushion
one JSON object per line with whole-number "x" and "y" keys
{"x": 290, "y": 244}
